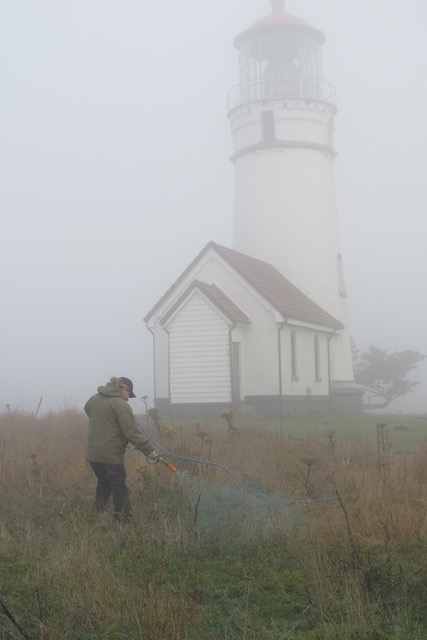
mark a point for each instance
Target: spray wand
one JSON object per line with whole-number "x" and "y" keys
{"x": 155, "y": 460}
{"x": 171, "y": 468}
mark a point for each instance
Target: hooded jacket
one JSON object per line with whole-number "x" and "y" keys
{"x": 111, "y": 427}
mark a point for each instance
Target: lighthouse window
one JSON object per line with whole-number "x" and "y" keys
{"x": 267, "y": 126}
{"x": 341, "y": 279}
{"x": 277, "y": 66}
{"x": 281, "y": 78}
{"x": 294, "y": 371}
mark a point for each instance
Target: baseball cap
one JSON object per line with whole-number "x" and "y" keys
{"x": 129, "y": 385}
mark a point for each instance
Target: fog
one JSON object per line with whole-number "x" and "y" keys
{"x": 115, "y": 173}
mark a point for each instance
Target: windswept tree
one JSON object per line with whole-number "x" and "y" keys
{"x": 383, "y": 374}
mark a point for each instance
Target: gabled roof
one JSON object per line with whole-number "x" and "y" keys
{"x": 216, "y": 296}
{"x": 285, "y": 297}
{"x": 278, "y": 290}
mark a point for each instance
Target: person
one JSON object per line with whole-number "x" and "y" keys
{"x": 111, "y": 427}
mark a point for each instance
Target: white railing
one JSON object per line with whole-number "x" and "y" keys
{"x": 286, "y": 89}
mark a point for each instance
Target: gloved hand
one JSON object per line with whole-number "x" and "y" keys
{"x": 152, "y": 458}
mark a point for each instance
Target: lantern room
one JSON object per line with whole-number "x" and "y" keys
{"x": 280, "y": 58}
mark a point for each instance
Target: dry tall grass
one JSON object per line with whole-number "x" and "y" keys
{"x": 234, "y": 566}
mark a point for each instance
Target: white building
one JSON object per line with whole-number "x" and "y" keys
{"x": 264, "y": 324}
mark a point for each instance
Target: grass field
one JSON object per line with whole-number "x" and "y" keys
{"x": 203, "y": 557}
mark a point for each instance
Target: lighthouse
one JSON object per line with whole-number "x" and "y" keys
{"x": 262, "y": 325}
{"x": 282, "y": 116}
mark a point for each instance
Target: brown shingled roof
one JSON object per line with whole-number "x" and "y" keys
{"x": 290, "y": 301}
{"x": 223, "y": 303}
{"x": 215, "y": 295}
{"x": 278, "y": 290}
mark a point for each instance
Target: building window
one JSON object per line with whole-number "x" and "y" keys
{"x": 341, "y": 279}
{"x": 317, "y": 359}
{"x": 294, "y": 370}
{"x": 267, "y": 126}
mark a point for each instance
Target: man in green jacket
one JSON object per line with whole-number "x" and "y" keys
{"x": 111, "y": 427}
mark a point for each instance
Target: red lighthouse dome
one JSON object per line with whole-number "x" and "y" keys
{"x": 279, "y": 20}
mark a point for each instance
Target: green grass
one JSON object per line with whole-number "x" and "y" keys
{"x": 408, "y": 431}
{"x": 189, "y": 568}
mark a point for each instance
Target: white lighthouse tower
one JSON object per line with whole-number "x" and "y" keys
{"x": 282, "y": 120}
{"x": 263, "y": 326}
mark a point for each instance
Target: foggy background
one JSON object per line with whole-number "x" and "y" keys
{"x": 115, "y": 173}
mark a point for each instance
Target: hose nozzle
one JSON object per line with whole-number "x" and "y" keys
{"x": 171, "y": 468}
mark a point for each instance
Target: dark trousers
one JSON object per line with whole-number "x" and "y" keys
{"x": 111, "y": 482}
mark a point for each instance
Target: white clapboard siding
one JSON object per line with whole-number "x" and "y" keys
{"x": 199, "y": 358}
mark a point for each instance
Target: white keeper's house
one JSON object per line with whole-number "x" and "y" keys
{"x": 263, "y": 325}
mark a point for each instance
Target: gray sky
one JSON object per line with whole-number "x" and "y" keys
{"x": 115, "y": 173}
